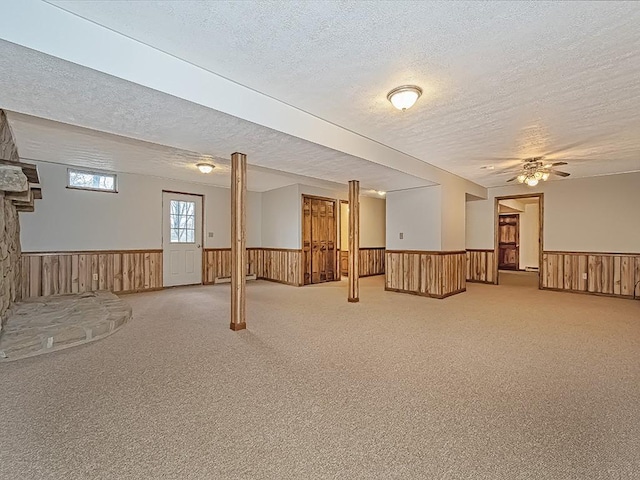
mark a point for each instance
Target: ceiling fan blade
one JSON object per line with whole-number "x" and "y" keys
{"x": 559, "y": 173}
{"x": 512, "y": 179}
{"x": 557, "y": 164}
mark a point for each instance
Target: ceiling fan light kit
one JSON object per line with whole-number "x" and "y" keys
{"x": 535, "y": 170}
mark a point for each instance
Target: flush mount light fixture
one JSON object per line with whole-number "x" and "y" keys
{"x": 205, "y": 167}
{"x": 381, "y": 193}
{"x": 404, "y": 97}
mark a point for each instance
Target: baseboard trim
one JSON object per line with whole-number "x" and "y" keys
{"x": 141, "y": 290}
{"x": 486, "y": 282}
{"x": 597, "y": 294}
{"x": 279, "y": 281}
{"x": 420, "y": 294}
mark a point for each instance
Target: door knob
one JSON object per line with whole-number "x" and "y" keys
{"x": 198, "y": 246}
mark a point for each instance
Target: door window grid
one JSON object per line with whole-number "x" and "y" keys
{"x": 183, "y": 225}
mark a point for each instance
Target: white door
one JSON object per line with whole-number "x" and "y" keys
{"x": 181, "y": 239}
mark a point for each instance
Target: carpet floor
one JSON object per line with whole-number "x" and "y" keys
{"x": 500, "y": 382}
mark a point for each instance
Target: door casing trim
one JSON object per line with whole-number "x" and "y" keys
{"x": 496, "y": 218}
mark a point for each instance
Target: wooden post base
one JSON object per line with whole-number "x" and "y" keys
{"x": 238, "y": 326}
{"x": 353, "y": 300}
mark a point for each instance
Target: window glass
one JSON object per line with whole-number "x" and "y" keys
{"x": 92, "y": 181}
{"x": 182, "y": 218}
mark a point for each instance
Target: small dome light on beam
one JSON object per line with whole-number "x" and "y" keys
{"x": 205, "y": 167}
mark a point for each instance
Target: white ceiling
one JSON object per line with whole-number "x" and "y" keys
{"x": 55, "y": 142}
{"x": 75, "y": 95}
{"x": 507, "y": 80}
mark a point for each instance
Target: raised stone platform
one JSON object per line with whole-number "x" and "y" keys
{"x": 46, "y": 324}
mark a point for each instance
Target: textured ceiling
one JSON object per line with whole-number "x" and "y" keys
{"x": 507, "y": 79}
{"x": 55, "y": 142}
{"x": 65, "y": 92}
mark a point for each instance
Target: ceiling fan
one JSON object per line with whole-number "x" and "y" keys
{"x": 535, "y": 169}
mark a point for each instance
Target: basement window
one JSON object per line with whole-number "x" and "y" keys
{"x": 87, "y": 180}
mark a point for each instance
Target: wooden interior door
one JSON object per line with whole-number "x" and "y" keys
{"x": 509, "y": 242}
{"x": 319, "y": 240}
{"x": 306, "y": 239}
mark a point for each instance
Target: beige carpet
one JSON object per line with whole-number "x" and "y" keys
{"x": 497, "y": 383}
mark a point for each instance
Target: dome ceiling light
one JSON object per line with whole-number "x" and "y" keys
{"x": 205, "y": 167}
{"x": 404, "y": 97}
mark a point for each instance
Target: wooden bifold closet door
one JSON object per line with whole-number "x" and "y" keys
{"x": 319, "y": 240}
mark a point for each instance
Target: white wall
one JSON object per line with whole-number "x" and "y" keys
{"x": 344, "y": 226}
{"x": 529, "y": 245}
{"x": 373, "y": 224}
{"x": 415, "y": 213}
{"x": 453, "y": 204}
{"x": 68, "y": 219}
{"x": 430, "y": 218}
{"x": 281, "y": 218}
{"x": 598, "y": 214}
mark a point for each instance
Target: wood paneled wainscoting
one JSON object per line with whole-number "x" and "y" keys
{"x": 273, "y": 264}
{"x": 280, "y": 265}
{"x": 611, "y": 274}
{"x": 371, "y": 261}
{"x": 123, "y": 271}
{"x": 432, "y": 274}
{"x": 481, "y": 266}
{"x": 217, "y": 264}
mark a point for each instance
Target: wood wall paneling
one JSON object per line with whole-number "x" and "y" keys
{"x": 611, "y": 274}
{"x": 371, "y": 261}
{"x": 124, "y": 271}
{"x": 432, "y": 274}
{"x": 480, "y": 266}
{"x": 78, "y": 272}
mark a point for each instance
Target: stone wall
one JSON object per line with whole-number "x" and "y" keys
{"x": 15, "y": 194}
{"x": 10, "y": 275}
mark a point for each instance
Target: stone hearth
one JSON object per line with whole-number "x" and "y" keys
{"x": 47, "y": 324}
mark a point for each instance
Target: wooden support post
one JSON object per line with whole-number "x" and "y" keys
{"x": 238, "y": 240}
{"x": 354, "y": 241}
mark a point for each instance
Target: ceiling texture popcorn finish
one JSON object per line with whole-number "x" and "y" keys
{"x": 306, "y": 88}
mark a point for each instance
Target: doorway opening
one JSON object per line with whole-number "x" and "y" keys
{"x": 519, "y": 239}
{"x": 182, "y": 229}
{"x": 319, "y": 239}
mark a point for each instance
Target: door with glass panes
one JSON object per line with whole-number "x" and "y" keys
{"x": 181, "y": 239}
